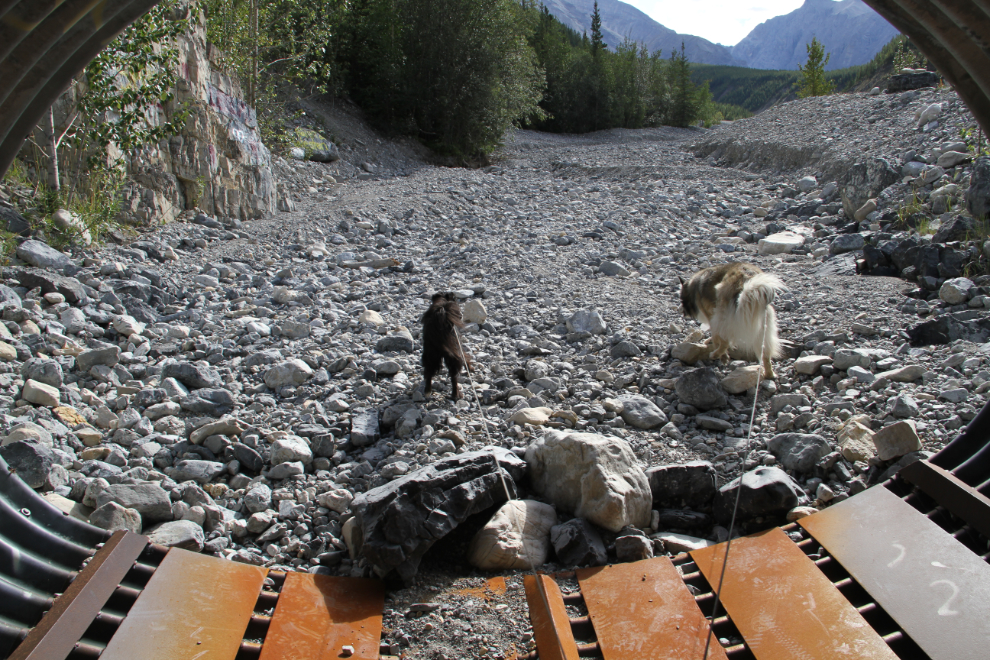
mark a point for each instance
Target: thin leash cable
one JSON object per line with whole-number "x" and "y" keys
{"x": 735, "y": 507}
{"x": 508, "y": 497}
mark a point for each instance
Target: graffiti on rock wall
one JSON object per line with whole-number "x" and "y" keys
{"x": 242, "y": 126}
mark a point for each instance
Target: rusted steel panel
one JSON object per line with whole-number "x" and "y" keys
{"x": 643, "y": 610}
{"x": 551, "y": 627}
{"x": 784, "y": 607}
{"x": 959, "y": 498}
{"x": 73, "y": 612}
{"x": 934, "y": 587}
{"x": 194, "y": 608}
{"x": 317, "y": 616}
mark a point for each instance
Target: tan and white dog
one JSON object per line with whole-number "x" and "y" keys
{"x": 736, "y": 301}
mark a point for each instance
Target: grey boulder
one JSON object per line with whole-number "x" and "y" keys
{"x": 701, "y": 388}
{"x": 150, "y": 500}
{"x": 395, "y": 524}
{"x": 192, "y": 375}
{"x": 30, "y": 460}
{"x": 184, "y": 534}
{"x": 578, "y": 543}
{"x": 798, "y": 451}
{"x": 766, "y": 491}
{"x": 642, "y": 413}
{"x": 41, "y": 255}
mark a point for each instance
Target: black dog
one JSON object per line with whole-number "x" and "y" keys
{"x": 440, "y": 323}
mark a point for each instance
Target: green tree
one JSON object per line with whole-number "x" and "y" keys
{"x": 597, "y": 42}
{"x": 813, "y": 81}
{"x": 467, "y": 72}
{"x": 685, "y": 99}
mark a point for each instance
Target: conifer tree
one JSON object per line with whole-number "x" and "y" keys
{"x": 597, "y": 43}
{"x": 813, "y": 81}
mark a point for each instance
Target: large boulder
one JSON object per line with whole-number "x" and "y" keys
{"x": 516, "y": 537}
{"x": 591, "y": 476}
{"x": 766, "y": 492}
{"x": 395, "y": 524}
{"x": 865, "y": 180}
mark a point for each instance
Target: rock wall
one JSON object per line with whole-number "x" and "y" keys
{"x": 217, "y": 163}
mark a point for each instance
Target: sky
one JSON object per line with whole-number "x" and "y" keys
{"x": 724, "y": 22}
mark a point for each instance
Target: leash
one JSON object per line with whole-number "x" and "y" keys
{"x": 505, "y": 487}
{"x": 735, "y": 507}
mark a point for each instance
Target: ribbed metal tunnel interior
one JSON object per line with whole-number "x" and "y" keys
{"x": 45, "y": 43}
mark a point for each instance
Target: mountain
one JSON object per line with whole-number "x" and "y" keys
{"x": 850, "y": 30}
{"x": 620, "y": 20}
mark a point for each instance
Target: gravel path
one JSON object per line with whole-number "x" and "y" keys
{"x": 282, "y": 318}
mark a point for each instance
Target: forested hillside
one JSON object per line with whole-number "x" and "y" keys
{"x": 758, "y": 89}
{"x": 454, "y": 73}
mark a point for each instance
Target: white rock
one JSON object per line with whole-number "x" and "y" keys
{"x": 474, "y": 311}
{"x": 587, "y": 321}
{"x": 673, "y": 542}
{"x": 896, "y": 440}
{"x": 499, "y": 544}
{"x": 929, "y": 113}
{"x": 41, "y": 394}
{"x": 371, "y": 317}
{"x": 127, "y": 325}
{"x": 532, "y": 416}
{"x": 290, "y": 449}
{"x": 807, "y": 183}
{"x": 288, "y": 373}
{"x": 810, "y": 364}
{"x": 591, "y": 476}
{"x": 907, "y": 374}
{"x": 956, "y": 290}
{"x": 780, "y": 243}
{"x": 867, "y": 208}
{"x": 338, "y": 500}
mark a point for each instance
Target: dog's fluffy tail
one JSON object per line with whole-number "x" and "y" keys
{"x": 755, "y": 306}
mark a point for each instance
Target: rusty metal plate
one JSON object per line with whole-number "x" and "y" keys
{"x": 643, "y": 610}
{"x": 193, "y": 608}
{"x": 551, "y": 625}
{"x": 318, "y": 615}
{"x": 933, "y": 586}
{"x": 951, "y": 492}
{"x": 58, "y": 631}
{"x": 784, "y": 606}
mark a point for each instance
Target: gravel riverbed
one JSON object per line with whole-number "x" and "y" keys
{"x": 231, "y": 387}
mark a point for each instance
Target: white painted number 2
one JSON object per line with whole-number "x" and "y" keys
{"x": 945, "y": 610}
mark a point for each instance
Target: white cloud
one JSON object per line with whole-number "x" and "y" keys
{"x": 725, "y": 22}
